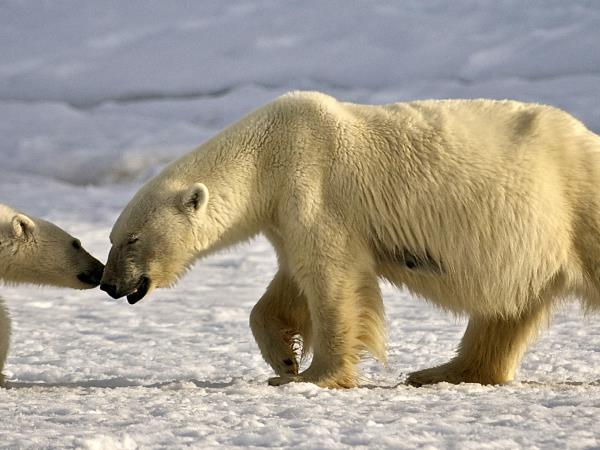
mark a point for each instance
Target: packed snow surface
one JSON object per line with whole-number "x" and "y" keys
{"x": 95, "y": 97}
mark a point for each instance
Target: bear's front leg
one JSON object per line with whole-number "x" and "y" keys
{"x": 490, "y": 350}
{"x": 276, "y": 320}
{"x": 347, "y": 318}
{"x": 5, "y": 329}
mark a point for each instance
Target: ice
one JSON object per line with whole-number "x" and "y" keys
{"x": 96, "y": 97}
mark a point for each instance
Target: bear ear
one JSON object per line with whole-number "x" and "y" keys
{"x": 22, "y": 227}
{"x": 195, "y": 197}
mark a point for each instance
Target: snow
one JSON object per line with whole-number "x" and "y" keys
{"x": 95, "y": 97}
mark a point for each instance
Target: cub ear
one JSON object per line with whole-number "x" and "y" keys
{"x": 195, "y": 197}
{"x": 22, "y": 227}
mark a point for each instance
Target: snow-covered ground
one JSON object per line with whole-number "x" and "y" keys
{"x": 96, "y": 96}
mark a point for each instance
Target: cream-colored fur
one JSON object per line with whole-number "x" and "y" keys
{"x": 37, "y": 252}
{"x": 485, "y": 208}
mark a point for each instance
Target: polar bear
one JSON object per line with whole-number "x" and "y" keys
{"x": 38, "y": 252}
{"x": 485, "y": 208}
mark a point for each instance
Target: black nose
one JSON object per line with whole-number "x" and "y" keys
{"x": 96, "y": 275}
{"x": 93, "y": 277}
{"x": 110, "y": 289}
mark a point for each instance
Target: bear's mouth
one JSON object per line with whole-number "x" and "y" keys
{"x": 140, "y": 291}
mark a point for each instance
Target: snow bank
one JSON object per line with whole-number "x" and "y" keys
{"x": 97, "y": 96}
{"x": 85, "y": 54}
{"x": 118, "y": 88}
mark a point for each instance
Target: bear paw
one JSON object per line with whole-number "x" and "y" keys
{"x": 286, "y": 367}
{"x": 280, "y": 381}
{"x": 324, "y": 382}
{"x": 433, "y": 375}
{"x": 453, "y": 373}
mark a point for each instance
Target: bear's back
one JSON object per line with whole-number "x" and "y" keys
{"x": 444, "y": 177}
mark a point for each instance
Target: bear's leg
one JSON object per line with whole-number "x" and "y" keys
{"x": 490, "y": 351}
{"x": 4, "y": 338}
{"x": 347, "y": 321}
{"x": 276, "y": 320}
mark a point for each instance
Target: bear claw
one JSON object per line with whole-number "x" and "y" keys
{"x": 280, "y": 381}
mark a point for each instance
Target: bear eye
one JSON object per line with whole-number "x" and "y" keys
{"x": 76, "y": 244}
{"x": 132, "y": 240}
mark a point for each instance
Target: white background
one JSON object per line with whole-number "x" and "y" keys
{"x": 95, "y": 97}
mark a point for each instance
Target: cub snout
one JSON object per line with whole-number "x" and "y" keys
{"x": 93, "y": 276}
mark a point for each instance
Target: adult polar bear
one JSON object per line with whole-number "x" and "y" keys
{"x": 487, "y": 208}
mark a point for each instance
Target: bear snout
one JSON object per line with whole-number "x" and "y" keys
{"x": 111, "y": 290}
{"x": 134, "y": 294}
{"x": 92, "y": 278}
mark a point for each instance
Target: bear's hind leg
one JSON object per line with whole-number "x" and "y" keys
{"x": 276, "y": 320}
{"x": 490, "y": 351}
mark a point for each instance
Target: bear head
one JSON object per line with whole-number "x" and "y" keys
{"x": 35, "y": 251}
{"x": 155, "y": 240}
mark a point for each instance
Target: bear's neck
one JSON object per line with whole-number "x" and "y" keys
{"x": 241, "y": 182}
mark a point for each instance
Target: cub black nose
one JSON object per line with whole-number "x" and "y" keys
{"x": 110, "y": 289}
{"x": 97, "y": 274}
{"x": 92, "y": 277}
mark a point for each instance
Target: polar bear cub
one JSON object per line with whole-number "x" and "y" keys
{"x": 35, "y": 251}
{"x": 486, "y": 208}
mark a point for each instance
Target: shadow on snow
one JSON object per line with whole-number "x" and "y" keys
{"x": 120, "y": 382}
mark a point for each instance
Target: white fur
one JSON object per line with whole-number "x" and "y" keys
{"x": 37, "y": 252}
{"x": 487, "y": 208}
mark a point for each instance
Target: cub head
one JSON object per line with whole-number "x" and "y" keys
{"x": 155, "y": 240}
{"x": 35, "y": 251}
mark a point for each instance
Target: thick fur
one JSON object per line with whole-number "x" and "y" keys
{"x": 485, "y": 208}
{"x": 37, "y": 252}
